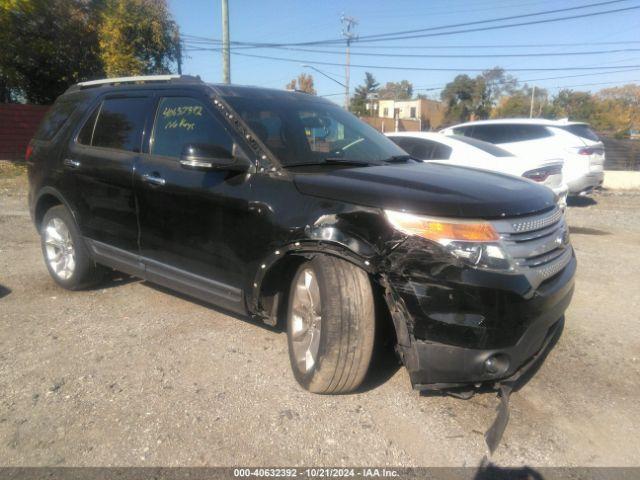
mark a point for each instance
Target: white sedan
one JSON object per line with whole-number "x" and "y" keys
{"x": 469, "y": 152}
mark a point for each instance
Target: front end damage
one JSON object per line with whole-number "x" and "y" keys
{"x": 457, "y": 326}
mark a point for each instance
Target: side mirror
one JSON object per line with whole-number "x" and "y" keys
{"x": 213, "y": 157}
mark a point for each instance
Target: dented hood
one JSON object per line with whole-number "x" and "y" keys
{"x": 429, "y": 189}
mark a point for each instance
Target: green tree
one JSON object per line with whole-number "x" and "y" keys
{"x": 519, "y": 104}
{"x": 618, "y": 109}
{"x": 137, "y": 37}
{"x": 47, "y": 45}
{"x": 303, "y": 83}
{"x": 514, "y": 106}
{"x": 402, "y": 90}
{"x": 495, "y": 84}
{"x": 459, "y": 98}
{"x": 363, "y": 93}
{"x": 579, "y": 106}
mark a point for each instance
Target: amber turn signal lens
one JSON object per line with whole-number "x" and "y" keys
{"x": 440, "y": 229}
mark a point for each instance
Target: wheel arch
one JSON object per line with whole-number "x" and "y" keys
{"x": 269, "y": 289}
{"x": 47, "y": 198}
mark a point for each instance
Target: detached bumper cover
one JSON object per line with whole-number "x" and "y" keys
{"x": 455, "y": 326}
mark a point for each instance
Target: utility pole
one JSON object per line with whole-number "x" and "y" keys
{"x": 533, "y": 93}
{"x": 178, "y": 41}
{"x": 348, "y": 27}
{"x": 226, "y": 72}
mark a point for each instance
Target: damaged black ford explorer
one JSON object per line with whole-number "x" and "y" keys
{"x": 283, "y": 207}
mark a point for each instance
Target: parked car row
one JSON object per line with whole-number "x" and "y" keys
{"x": 473, "y": 153}
{"x": 574, "y": 142}
{"x": 283, "y": 207}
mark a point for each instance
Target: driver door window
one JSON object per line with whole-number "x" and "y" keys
{"x": 182, "y": 121}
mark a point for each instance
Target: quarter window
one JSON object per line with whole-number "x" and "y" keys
{"x": 86, "y": 134}
{"x": 56, "y": 117}
{"x": 423, "y": 149}
{"x": 182, "y": 121}
{"x": 582, "y": 130}
{"x": 120, "y": 124}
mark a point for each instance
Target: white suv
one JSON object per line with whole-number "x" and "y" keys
{"x": 574, "y": 142}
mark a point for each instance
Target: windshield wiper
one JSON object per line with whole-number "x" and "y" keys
{"x": 400, "y": 158}
{"x": 332, "y": 161}
{"x": 346, "y": 161}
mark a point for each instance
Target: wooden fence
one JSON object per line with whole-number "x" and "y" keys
{"x": 18, "y": 123}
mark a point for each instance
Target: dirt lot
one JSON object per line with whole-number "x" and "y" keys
{"x": 132, "y": 375}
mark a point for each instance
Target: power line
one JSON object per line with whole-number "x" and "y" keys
{"x": 426, "y": 69}
{"x": 207, "y": 41}
{"x": 524, "y": 82}
{"x": 497, "y": 27}
{"x": 492, "y": 20}
{"x": 592, "y": 84}
{"x": 399, "y": 36}
{"x": 429, "y": 55}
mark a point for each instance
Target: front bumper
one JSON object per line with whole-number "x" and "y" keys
{"x": 455, "y": 327}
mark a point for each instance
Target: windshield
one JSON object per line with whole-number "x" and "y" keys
{"x": 487, "y": 147}
{"x": 299, "y": 131}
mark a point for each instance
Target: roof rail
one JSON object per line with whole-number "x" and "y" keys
{"x": 138, "y": 79}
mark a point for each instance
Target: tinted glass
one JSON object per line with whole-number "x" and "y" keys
{"x": 423, "y": 149}
{"x": 86, "y": 134}
{"x": 582, "y": 131}
{"x": 56, "y": 117}
{"x": 441, "y": 152}
{"x": 489, "y": 133}
{"x": 184, "y": 121}
{"x": 308, "y": 131}
{"x": 120, "y": 124}
{"x": 487, "y": 147}
{"x": 404, "y": 143}
{"x": 507, "y": 133}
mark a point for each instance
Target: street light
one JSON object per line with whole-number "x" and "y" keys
{"x": 322, "y": 73}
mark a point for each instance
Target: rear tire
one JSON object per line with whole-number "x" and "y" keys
{"x": 65, "y": 253}
{"x": 330, "y": 325}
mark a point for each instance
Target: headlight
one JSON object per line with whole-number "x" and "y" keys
{"x": 475, "y": 243}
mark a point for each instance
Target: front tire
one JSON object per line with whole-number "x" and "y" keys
{"x": 65, "y": 252}
{"x": 330, "y": 325}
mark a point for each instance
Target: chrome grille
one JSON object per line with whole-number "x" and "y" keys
{"x": 537, "y": 223}
{"x": 539, "y": 244}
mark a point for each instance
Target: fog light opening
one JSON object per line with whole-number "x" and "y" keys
{"x": 496, "y": 364}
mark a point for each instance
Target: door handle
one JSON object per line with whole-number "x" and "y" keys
{"x": 153, "y": 180}
{"x": 69, "y": 162}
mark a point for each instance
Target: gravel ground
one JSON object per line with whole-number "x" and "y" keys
{"x": 133, "y": 375}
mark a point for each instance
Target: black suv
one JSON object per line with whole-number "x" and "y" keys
{"x": 284, "y": 207}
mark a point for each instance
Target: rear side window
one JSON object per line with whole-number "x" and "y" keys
{"x": 182, "y": 121}
{"x": 582, "y": 131}
{"x": 486, "y": 147}
{"x": 423, "y": 149}
{"x": 507, "y": 133}
{"x": 56, "y": 117}
{"x": 120, "y": 124}
{"x": 411, "y": 146}
{"x": 441, "y": 152}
